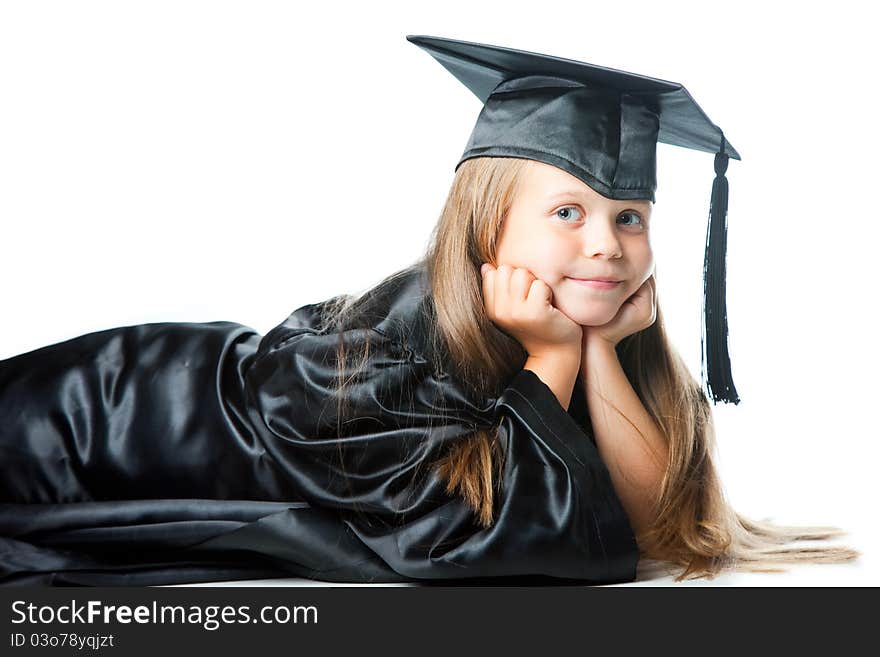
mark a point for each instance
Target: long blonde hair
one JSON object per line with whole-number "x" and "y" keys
{"x": 696, "y": 529}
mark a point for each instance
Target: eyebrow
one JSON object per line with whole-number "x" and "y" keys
{"x": 576, "y": 193}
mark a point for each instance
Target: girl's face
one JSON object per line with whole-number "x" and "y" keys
{"x": 560, "y": 229}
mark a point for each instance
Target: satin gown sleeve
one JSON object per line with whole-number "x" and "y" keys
{"x": 557, "y": 515}
{"x": 182, "y": 452}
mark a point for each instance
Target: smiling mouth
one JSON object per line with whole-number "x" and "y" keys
{"x": 595, "y": 283}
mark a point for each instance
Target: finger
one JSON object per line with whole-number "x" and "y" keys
{"x": 644, "y": 292}
{"x": 502, "y": 290}
{"x": 653, "y": 299}
{"x": 520, "y": 284}
{"x": 489, "y": 288}
{"x": 647, "y": 309}
{"x": 649, "y": 286}
{"x": 647, "y": 290}
{"x": 539, "y": 293}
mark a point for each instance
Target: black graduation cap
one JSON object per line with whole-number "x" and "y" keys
{"x": 602, "y": 126}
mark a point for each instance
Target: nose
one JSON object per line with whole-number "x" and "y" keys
{"x": 600, "y": 237}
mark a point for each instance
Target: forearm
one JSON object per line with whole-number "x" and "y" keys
{"x": 628, "y": 439}
{"x": 558, "y": 371}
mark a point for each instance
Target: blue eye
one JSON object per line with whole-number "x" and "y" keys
{"x": 566, "y": 208}
{"x": 632, "y": 214}
{"x": 569, "y": 208}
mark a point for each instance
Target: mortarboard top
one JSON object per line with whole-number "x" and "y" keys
{"x": 601, "y": 125}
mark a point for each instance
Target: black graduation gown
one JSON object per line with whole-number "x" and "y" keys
{"x": 179, "y": 452}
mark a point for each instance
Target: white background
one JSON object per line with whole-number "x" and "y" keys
{"x": 200, "y": 161}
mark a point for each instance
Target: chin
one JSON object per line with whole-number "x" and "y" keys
{"x": 595, "y": 315}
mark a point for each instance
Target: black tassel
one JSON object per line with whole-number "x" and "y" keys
{"x": 714, "y": 339}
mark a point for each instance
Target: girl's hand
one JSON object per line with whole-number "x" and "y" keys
{"x": 521, "y": 305}
{"x": 637, "y": 313}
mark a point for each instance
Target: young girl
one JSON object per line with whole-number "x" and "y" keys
{"x": 493, "y": 410}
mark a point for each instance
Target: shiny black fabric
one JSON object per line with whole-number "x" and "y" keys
{"x": 183, "y": 452}
{"x": 608, "y": 139}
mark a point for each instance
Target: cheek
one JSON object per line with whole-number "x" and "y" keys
{"x": 641, "y": 261}
{"x": 640, "y": 275}
{"x": 545, "y": 255}
{"x": 555, "y": 252}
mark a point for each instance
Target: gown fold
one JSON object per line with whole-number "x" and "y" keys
{"x": 180, "y": 452}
